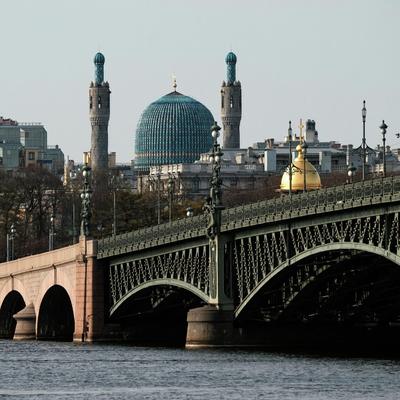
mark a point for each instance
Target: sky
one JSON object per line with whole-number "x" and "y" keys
{"x": 296, "y": 59}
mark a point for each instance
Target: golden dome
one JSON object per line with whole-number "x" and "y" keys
{"x": 313, "y": 181}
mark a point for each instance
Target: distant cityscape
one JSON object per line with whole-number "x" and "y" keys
{"x": 173, "y": 139}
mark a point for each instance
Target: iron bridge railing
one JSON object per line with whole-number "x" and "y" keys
{"x": 375, "y": 191}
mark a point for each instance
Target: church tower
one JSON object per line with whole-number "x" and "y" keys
{"x": 99, "y": 110}
{"x": 231, "y": 105}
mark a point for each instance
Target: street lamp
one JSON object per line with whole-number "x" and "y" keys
{"x": 170, "y": 186}
{"x": 86, "y": 195}
{"x": 51, "y": 233}
{"x": 350, "y": 172}
{"x": 364, "y": 155}
{"x": 86, "y": 215}
{"x": 114, "y": 183}
{"x": 213, "y": 206}
{"x": 290, "y": 138}
{"x": 72, "y": 176}
{"x": 383, "y": 128}
{"x": 189, "y": 212}
{"x": 304, "y": 146}
{"x": 158, "y": 197}
{"x": 10, "y": 243}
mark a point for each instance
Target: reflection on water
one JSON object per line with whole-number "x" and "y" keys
{"x": 45, "y": 370}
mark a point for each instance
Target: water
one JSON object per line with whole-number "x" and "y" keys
{"x": 58, "y": 371}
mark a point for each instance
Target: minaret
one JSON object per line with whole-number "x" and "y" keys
{"x": 99, "y": 103}
{"x": 231, "y": 105}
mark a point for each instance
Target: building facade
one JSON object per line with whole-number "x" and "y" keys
{"x": 24, "y": 145}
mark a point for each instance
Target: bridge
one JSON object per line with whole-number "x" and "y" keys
{"x": 282, "y": 267}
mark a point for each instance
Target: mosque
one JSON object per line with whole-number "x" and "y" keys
{"x": 173, "y": 140}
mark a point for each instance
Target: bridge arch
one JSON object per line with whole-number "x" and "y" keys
{"x": 160, "y": 282}
{"x": 337, "y": 246}
{"x": 56, "y": 316}
{"x": 13, "y": 283}
{"x": 56, "y": 276}
{"x": 11, "y": 304}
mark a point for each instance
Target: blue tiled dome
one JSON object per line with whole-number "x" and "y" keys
{"x": 173, "y": 129}
{"x": 99, "y": 58}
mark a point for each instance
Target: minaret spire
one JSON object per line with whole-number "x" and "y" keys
{"x": 99, "y": 61}
{"x": 231, "y": 68}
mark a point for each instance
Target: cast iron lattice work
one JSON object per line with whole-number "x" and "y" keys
{"x": 186, "y": 268}
{"x": 259, "y": 258}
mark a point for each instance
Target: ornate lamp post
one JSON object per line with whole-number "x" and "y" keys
{"x": 51, "y": 233}
{"x": 171, "y": 185}
{"x": 86, "y": 215}
{"x": 72, "y": 176}
{"x": 114, "y": 184}
{"x": 158, "y": 197}
{"x": 364, "y": 155}
{"x": 86, "y": 195}
{"x": 304, "y": 146}
{"x": 350, "y": 172}
{"x": 213, "y": 206}
{"x": 383, "y": 128}
{"x": 10, "y": 243}
{"x": 290, "y": 138}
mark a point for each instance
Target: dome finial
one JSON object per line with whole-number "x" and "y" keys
{"x": 174, "y": 84}
{"x": 301, "y": 126}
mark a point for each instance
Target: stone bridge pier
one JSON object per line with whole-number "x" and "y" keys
{"x": 58, "y": 295}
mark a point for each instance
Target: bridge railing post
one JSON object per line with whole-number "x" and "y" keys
{"x": 217, "y": 269}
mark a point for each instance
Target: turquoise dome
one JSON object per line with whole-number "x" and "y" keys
{"x": 99, "y": 58}
{"x": 231, "y": 58}
{"x": 173, "y": 129}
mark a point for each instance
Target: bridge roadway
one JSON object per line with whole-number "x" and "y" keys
{"x": 324, "y": 258}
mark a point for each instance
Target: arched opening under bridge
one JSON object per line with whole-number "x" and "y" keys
{"x": 56, "y": 317}
{"x": 156, "y": 314}
{"x": 12, "y": 304}
{"x": 342, "y": 299}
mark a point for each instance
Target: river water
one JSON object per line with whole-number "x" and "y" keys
{"x": 58, "y": 371}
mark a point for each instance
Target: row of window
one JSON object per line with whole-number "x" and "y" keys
{"x": 231, "y": 102}
{"x": 99, "y": 103}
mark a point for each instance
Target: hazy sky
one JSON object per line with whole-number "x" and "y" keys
{"x": 296, "y": 59}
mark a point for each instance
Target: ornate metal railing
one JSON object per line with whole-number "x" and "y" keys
{"x": 375, "y": 191}
{"x": 156, "y": 235}
{"x": 330, "y": 199}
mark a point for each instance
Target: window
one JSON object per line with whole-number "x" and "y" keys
{"x": 222, "y": 101}
{"x": 99, "y": 102}
{"x": 91, "y": 102}
{"x": 231, "y": 102}
{"x": 31, "y": 155}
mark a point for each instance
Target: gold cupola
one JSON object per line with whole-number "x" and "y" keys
{"x": 299, "y": 165}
